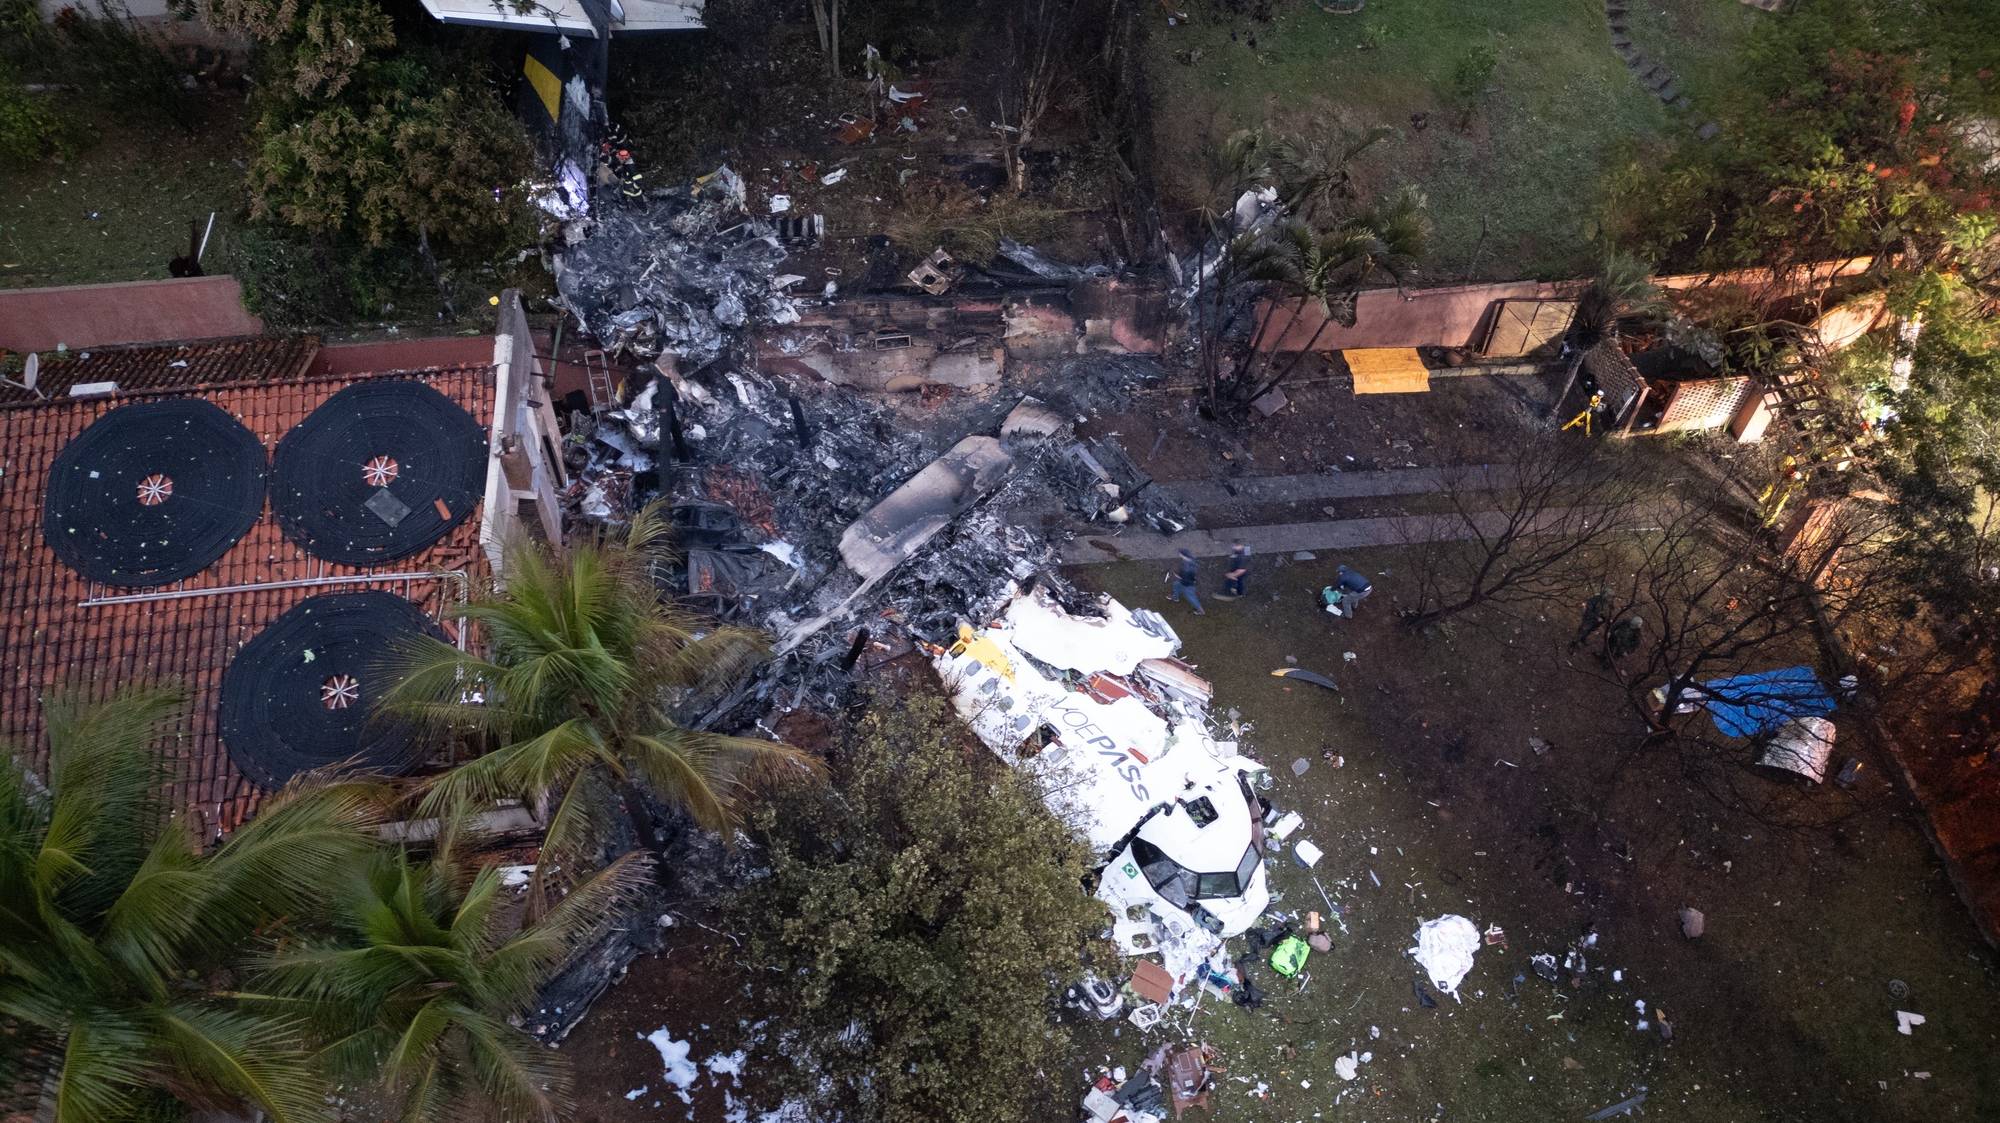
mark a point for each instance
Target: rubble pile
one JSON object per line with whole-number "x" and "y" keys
{"x": 805, "y": 508}
{"x": 678, "y": 272}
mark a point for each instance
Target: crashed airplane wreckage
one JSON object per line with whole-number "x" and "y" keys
{"x": 1115, "y": 731}
{"x": 860, "y": 528}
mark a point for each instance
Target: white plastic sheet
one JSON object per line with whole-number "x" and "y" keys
{"x": 1445, "y": 947}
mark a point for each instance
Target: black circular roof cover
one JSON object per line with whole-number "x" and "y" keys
{"x": 378, "y": 472}
{"x": 154, "y": 492}
{"x": 301, "y": 694}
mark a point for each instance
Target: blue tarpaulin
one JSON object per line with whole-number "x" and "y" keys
{"x": 1751, "y": 705}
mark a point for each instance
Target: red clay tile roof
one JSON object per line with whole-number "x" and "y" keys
{"x": 152, "y": 366}
{"x": 52, "y": 639}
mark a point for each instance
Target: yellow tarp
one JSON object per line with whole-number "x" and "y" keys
{"x": 546, "y": 85}
{"x": 1387, "y": 370}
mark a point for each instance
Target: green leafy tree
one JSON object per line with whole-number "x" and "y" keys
{"x": 433, "y": 164}
{"x": 413, "y": 989}
{"x": 1941, "y": 460}
{"x": 117, "y": 932}
{"x": 1846, "y": 135}
{"x": 919, "y": 909}
{"x": 575, "y": 694}
{"x": 368, "y": 131}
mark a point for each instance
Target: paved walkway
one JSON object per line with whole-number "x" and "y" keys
{"x": 1314, "y": 486}
{"x": 1330, "y": 534}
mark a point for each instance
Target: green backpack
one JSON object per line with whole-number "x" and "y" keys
{"x": 1289, "y": 956}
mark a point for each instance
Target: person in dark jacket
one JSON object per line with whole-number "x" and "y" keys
{"x": 1595, "y": 611}
{"x": 1184, "y": 583}
{"x": 1239, "y": 568}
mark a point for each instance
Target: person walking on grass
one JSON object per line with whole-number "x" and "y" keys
{"x": 1184, "y": 583}
{"x": 1596, "y": 611}
{"x": 1239, "y": 567}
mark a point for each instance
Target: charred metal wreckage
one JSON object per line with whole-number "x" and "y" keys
{"x": 856, "y": 526}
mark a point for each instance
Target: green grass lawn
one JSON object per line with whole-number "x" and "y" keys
{"x": 118, "y": 210}
{"x": 1525, "y": 169}
{"x": 1696, "y": 40}
{"x": 1783, "y": 1010}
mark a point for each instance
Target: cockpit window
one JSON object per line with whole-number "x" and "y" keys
{"x": 1201, "y": 811}
{"x": 1247, "y": 868}
{"x": 1171, "y": 880}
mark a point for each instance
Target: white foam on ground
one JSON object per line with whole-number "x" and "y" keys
{"x": 680, "y": 1072}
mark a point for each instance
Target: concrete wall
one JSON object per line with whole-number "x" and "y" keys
{"x": 85, "y": 316}
{"x": 1459, "y": 315}
{"x": 1449, "y": 317}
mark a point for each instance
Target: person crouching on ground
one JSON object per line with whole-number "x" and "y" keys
{"x": 1184, "y": 583}
{"x": 1239, "y": 567}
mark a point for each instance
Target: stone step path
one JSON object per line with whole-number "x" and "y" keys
{"x": 1655, "y": 76}
{"x": 1287, "y": 538}
{"x": 1320, "y": 486}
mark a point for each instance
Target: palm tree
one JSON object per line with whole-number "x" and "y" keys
{"x": 426, "y": 963}
{"x": 117, "y": 931}
{"x": 1622, "y": 292}
{"x": 1228, "y": 255}
{"x": 1313, "y": 168}
{"x": 584, "y": 659}
{"x": 1328, "y": 268}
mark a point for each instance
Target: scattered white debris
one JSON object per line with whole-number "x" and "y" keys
{"x": 680, "y": 1072}
{"x": 1905, "y": 1019}
{"x": 1618, "y": 976}
{"x": 1307, "y": 853}
{"x": 728, "y": 1064}
{"x": 516, "y": 877}
{"x": 636, "y": 1093}
{"x": 833, "y": 177}
{"x": 1347, "y": 1067}
{"x": 780, "y": 204}
{"x": 1445, "y": 947}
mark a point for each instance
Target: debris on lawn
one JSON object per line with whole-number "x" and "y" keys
{"x": 680, "y": 1072}
{"x": 1905, "y": 1021}
{"x": 1306, "y": 676}
{"x": 1693, "y": 923}
{"x": 1445, "y": 947}
{"x": 1622, "y": 1107}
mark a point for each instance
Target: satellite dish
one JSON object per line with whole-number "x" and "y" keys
{"x": 31, "y": 373}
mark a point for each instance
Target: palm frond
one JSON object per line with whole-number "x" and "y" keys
{"x": 103, "y": 1070}
{"x": 522, "y": 1079}
{"x": 522, "y": 963}
{"x": 702, "y": 771}
{"x": 103, "y": 777}
{"x": 417, "y": 1047}
{"x": 223, "y": 1056}
{"x": 528, "y": 769}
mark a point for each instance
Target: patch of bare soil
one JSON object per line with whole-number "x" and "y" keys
{"x": 1326, "y": 427}
{"x": 694, "y": 990}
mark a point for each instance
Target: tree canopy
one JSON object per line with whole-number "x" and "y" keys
{"x": 583, "y": 660}
{"x": 413, "y": 988}
{"x": 117, "y": 931}
{"x": 373, "y": 128}
{"x": 919, "y": 909}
